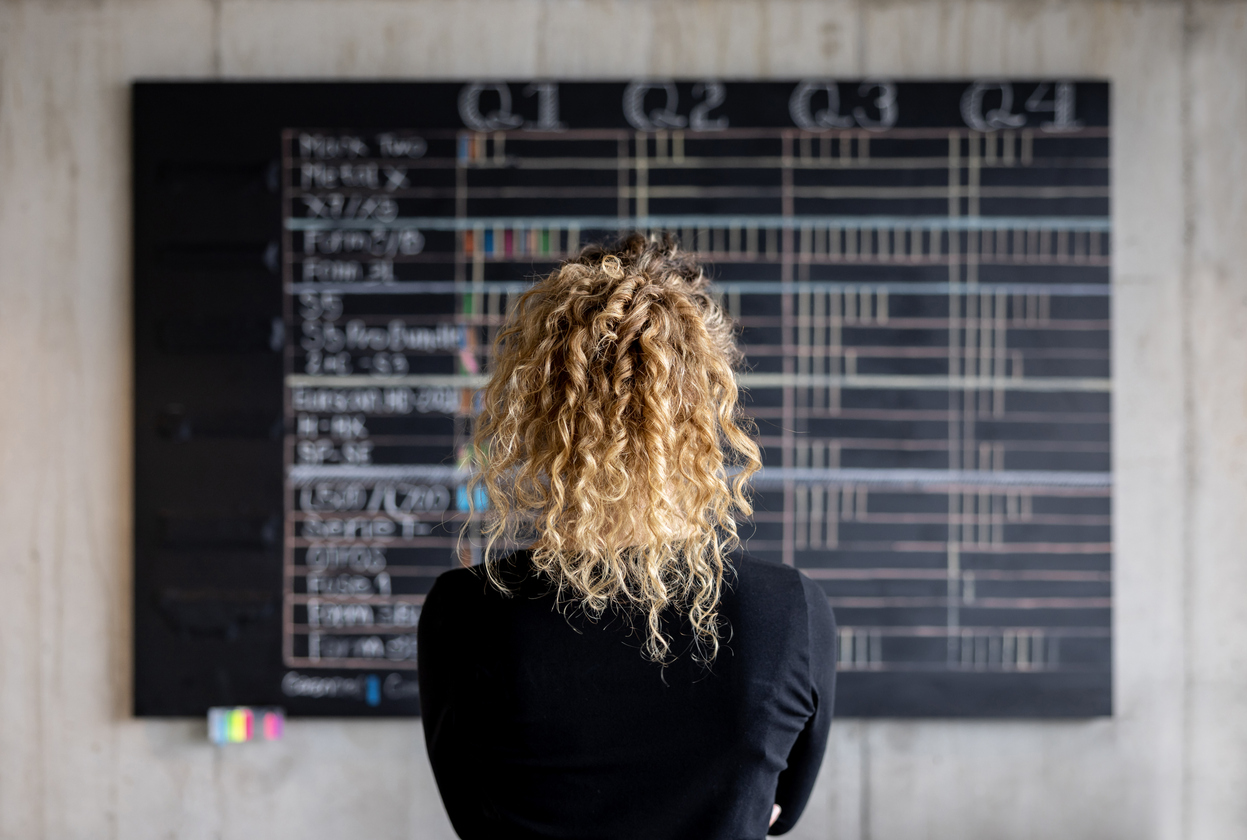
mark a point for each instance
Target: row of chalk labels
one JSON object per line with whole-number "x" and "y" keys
{"x": 822, "y": 245}
{"x": 832, "y": 148}
{"x": 969, "y": 649}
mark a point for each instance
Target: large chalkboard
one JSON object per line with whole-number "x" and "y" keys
{"x": 920, "y": 270}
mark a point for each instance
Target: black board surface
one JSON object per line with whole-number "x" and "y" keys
{"x": 920, "y": 270}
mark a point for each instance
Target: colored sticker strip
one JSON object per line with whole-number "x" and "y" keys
{"x": 237, "y": 724}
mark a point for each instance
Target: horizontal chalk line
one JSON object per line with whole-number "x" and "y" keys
{"x": 767, "y": 478}
{"x": 1094, "y": 224}
{"x": 750, "y": 380}
{"x": 744, "y": 287}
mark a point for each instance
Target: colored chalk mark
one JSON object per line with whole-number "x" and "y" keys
{"x": 237, "y": 724}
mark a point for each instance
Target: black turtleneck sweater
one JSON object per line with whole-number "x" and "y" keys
{"x": 545, "y": 725}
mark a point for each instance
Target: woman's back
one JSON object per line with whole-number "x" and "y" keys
{"x": 626, "y": 676}
{"x": 541, "y": 724}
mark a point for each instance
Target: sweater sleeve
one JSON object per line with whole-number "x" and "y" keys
{"x": 433, "y": 669}
{"x": 441, "y": 664}
{"x": 797, "y": 780}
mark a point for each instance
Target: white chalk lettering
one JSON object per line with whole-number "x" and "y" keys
{"x": 497, "y": 120}
{"x": 358, "y": 558}
{"x": 376, "y": 243}
{"x": 328, "y": 146}
{"x": 294, "y": 684}
{"x": 354, "y": 206}
{"x": 800, "y": 106}
{"x": 397, "y": 688}
{"x": 320, "y": 614}
{"x": 397, "y": 337}
{"x": 373, "y": 400}
{"x": 332, "y": 271}
{"x": 401, "y": 145}
{"x": 364, "y": 528}
{"x": 328, "y": 176}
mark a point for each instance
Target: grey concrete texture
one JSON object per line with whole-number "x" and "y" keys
{"x": 1172, "y": 762}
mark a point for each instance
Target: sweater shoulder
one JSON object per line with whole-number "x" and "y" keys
{"x": 459, "y": 583}
{"x": 471, "y": 587}
{"x": 778, "y": 595}
{"x": 767, "y": 580}
{"x": 456, "y": 596}
{"x": 766, "y": 599}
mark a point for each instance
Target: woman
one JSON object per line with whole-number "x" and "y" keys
{"x": 630, "y": 673}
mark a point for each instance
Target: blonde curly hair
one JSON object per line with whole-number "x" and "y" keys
{"x": 610, "y": 437}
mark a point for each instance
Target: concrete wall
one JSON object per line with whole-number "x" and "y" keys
{"x": 1171, "y": 764}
